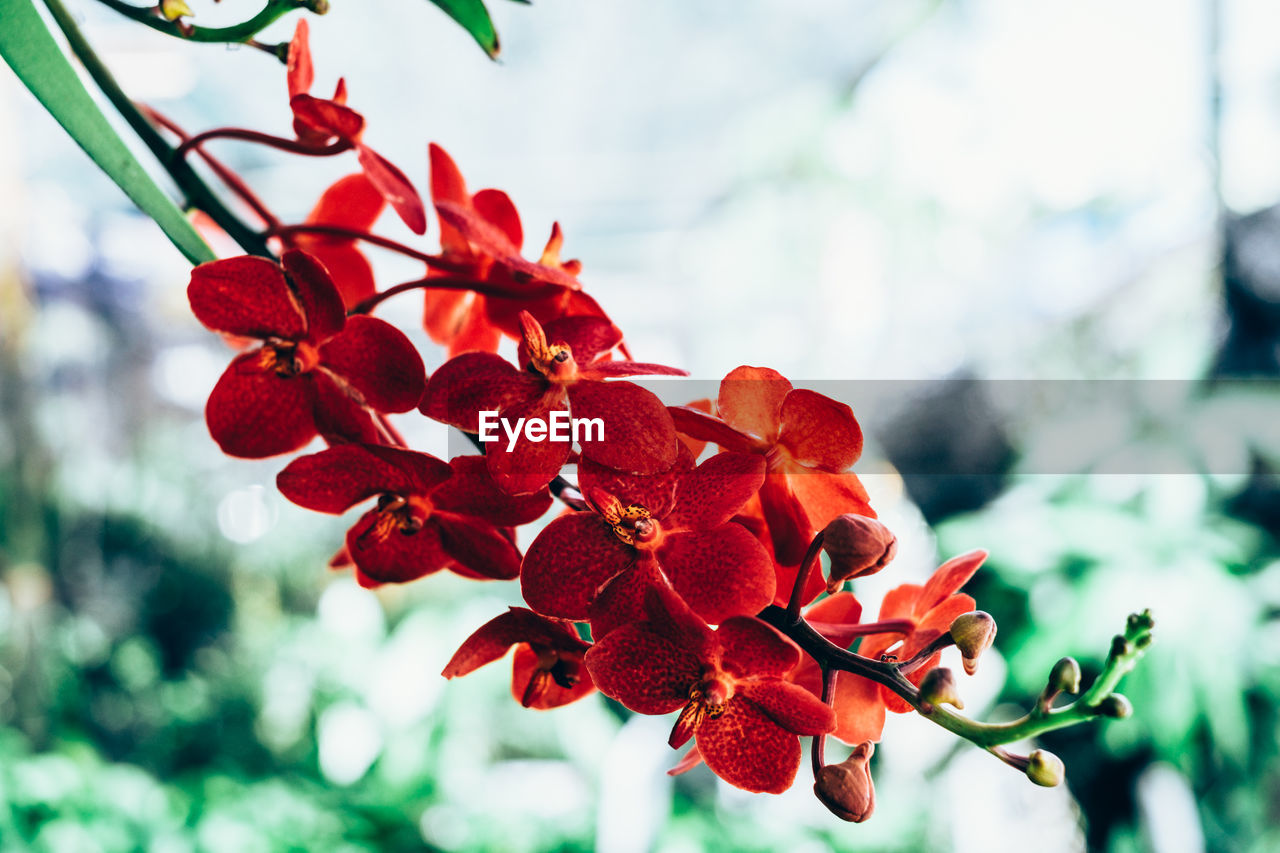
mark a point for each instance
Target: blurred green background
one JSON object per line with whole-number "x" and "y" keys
{"x": 840, "y": 190}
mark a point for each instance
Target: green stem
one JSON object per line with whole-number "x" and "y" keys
{"x": 198, "y": 193}
{"x": 1125, "y": 651}
{"x": 241, "y": 33}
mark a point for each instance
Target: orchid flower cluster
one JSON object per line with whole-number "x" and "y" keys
{"x": 699, "y": 560}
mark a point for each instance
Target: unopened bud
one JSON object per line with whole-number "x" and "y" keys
{"x": 1045, "y": 768}
{"x": 1116, "y": 706}
{"x": 973, "y": 633}
{"x": 1065, "y": 676}
{"x": 858, "y": 546}
{"x": 939, "y": 687}
{"x": 172, "y": 10}
{"x": 846, "y": 788}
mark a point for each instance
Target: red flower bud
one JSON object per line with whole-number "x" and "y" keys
{"x": 846, "y": 788}
{"x": 857, "y": 546}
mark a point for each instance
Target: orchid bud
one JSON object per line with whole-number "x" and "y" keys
{"x": 1065, "y": 676}
{"x": 857, "y": 546}
{"x": 973, "y": 633}
{"x": 172, "y": 10}
{"x": 1045, "y": 769}
{"x": 939, "y": 687}
{"x": 1115, "y": 706}
{"x": 846, "y": 788}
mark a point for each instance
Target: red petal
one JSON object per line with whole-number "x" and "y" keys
{"x": 949, "y": 577}
{"x": 395, "y": 188}
{"x": 842, "y": 608}
{"x": 477, "y": 545}
{"x": 473, "y": 382}
{"x": 750, "y": 400}
{"x": 379, "y": 362}
{"x": 518, "y": 625}
{"x": 819, "y": 432}
{"x": 471, "y": 491}
{"x": 691, "y": 759}
{"x": 497, "y": 208}
{"x": 787, "y": 518}
{"x": 937, "y": 622}
{"x": 347, "y": 266}
{"x": 395, "y": 557}
{"x": 700, "y": 425}
{"x": 476, "y": 332}
{"x": 351, "y": 202}
{"x": 300, "y": 74}
{"x": 447, "y": 184}
{"x": 528, "y": 465}
{"x": 654, "y": 492}
{"x": 321, "y": 303}
{"x": 605, "y": 369}
{"x": 443, "y": 313}
{"x": 327, "y": 117}
{"x": 720, "y": 572}
{"x": 425, "y": 472}
{"x": 790, "y": 705}
{"x": 246, "y": 296}
{"x": 638, "y": 434}
{"x": 622, "y": 599}
{"x": 643, "y": 670}
{"x": 336, "y": 479}
{"x": 696, "y": 446}
{"x": 751, "y": 647}
{"x": 339, "y": 418}
{"x": 587, "y": 337}
{"x": 254, "y": 413}
{"x": 859, "y": 708}
{"x": 716, "y": 490}
{"x": 826, "y": 496}
{"x": 569, "y": 561}
{"x": 483, "y": 235}
{"x": 747, "y": 749}
{"x": 525, "y": 666}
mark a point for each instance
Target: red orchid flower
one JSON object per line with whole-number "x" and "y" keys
{"x": 352, "y": 203}
{"x": 809, "y": 441}
{"x": 727, "y": 684}
{"x": 483, "y": 231}
{"x": 316, "y": 371}
{"x": 547, "y": 671}
{"x": 430, "y": 515}
{"x": 321, "y": 122}
{"x": 928, "y": 610}
{"x": 638, "y": 527}
{"x": 565, "y": 367}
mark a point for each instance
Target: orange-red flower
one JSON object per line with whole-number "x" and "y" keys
{"x": 809, "y": 442}
{"x": 726, "y": 683}
{"x": 430, "y": 515}
{"x": 565, "y": 368}
{"x": 483, "y": 233}
{"x": 315, "y": 371}
{"x": 324, "y": 121}
{"x": 547, "y": 670}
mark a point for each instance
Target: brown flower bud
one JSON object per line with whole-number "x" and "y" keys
{"x": 973, "y": 633}
{"x": 1045, "y": 768}
{"x": 857, "y": 546}
{"x": 846, "y": 788}
{"x": 939, "y": 687}
{"x": 1116, "y": 706}
{"x": 1065, "y": 675}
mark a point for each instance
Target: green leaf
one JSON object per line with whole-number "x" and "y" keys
{"x": 30, "y": 50}
{"x": 474, "y": 18}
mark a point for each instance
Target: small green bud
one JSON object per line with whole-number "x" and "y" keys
{"x": 939, "y": 687}
{"x": 1115, "y": 706}
{"x": 1045, "y": 769}
{"x": 973, "y": 634}
{"x": 1065, "y": 676}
